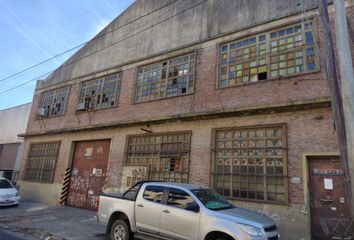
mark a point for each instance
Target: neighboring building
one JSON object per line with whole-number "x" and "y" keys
{"x": 13, "y": 121}
{"x": 229, "y": 94}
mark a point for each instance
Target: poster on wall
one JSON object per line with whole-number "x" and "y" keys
{"x": 132, "y": 175}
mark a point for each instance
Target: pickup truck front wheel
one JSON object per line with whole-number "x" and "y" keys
{"x": 120, "y": 230}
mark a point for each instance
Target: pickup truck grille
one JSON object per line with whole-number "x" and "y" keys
{"x": 270, "y": 229}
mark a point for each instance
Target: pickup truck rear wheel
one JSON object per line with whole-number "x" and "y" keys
{"x": 120, "y": 230}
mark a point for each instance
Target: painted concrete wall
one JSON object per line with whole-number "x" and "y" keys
{"x": 195, "y": 21}
{"x": 13, "y": 121}
{"x": 40, "y": 192}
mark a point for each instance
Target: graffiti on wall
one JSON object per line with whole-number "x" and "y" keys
{"x": 274, "y": 216}
{"x": 132, "y": 175}
{"x": 93, "y": 201}
{"x": 77, "y": 199}
{"x": 113, "y": 177}
{"x": 78, "y": 183}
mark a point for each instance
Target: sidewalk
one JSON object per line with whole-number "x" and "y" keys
{"x": 32, "y": 221}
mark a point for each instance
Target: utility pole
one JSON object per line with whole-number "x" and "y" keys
{"x": 347, "y": 79}
{"x": 337, "y": 104}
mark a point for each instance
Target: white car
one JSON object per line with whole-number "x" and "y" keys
{"x": 8, "y": 193}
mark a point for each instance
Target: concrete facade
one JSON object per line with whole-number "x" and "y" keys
{"x": 300, "y": 102}
{"x": 13, "y": 121}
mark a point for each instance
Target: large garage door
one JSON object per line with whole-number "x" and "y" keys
{"x": 88, "y": 173}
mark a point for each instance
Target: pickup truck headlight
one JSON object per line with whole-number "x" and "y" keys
{"x": 251, "y": 231}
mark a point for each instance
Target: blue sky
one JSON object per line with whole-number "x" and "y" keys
{"x": 32, "y": 31}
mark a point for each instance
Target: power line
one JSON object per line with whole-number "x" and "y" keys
{"x": 25, "y": 83}
{"x": 114, "y": 43}
{"x": 267, "y": 53}
{"x": 94, "y": 38}
{"x": 40, "y": 63}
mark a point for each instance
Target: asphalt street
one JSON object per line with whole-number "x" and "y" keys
{"x": 6, "y": 236}
{"x": 35, "y": 221}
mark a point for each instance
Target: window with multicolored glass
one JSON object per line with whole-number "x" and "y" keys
{"x": 173, "y": 77}
{"x": 250, "y": 163}
{"x": 283, "y": 52}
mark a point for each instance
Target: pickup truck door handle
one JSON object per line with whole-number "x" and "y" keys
{"x": 140, "y": 205}
{"x": 166, "y": 211}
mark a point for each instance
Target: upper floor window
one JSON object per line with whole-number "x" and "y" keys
{"x": 53, "y": 103}
{"x": 100, "y": 93}
{"x": 173, "y": 77}
{"x": 283, "y": 52}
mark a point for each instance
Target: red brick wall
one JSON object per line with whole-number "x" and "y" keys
{"x": 205, "y": 97}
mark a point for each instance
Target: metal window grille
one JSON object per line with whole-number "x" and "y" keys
{"x": 283, "y": 52}
{"x": 53, "y": 102}
{"x": 173, "y": 77}
{"x": 166, "y": 156}
{"x": 100, "y": 93}
{"x": 41, "y": 162}
{"x": 251, "y": 164}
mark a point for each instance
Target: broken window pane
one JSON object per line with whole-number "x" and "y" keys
{"x": 174, "y": 77}
{"x": 165, "y": 156}
{"x": 53, "y": 103}
{"x": 268, "y": 55}
{"x": 99, "y": 93}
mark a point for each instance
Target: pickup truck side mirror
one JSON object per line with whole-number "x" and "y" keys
{"x": 194, "y": 207}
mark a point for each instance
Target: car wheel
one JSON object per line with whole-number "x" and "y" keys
{"x": 120, "y": 230}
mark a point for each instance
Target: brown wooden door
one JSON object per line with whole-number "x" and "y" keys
{"x": 329, "y": 209}
{"x": 88, "y": 173}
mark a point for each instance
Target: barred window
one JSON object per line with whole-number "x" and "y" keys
{"x": 53, "y": 103}
{"x": 100, "y": 93}
{"x": 165, "y": 156}
{"x": 251, "y": 164}
{"x": 41, "y": 162}
{"x": 169, "y": 78}
{"x": 283, "y": 52}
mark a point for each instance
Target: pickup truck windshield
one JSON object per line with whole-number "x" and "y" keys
{"x": 211, "y": 199}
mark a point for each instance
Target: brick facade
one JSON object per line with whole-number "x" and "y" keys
{"x": 301, "y": 102}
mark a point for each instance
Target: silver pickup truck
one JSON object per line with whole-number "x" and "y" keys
{"x": 161, "y": 210}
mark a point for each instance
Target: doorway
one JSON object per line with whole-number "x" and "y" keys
{"x": 328, "y": 201}
{"x": 88, "y": 173}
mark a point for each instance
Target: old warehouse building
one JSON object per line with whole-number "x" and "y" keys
{"x": 229, "y": 94}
